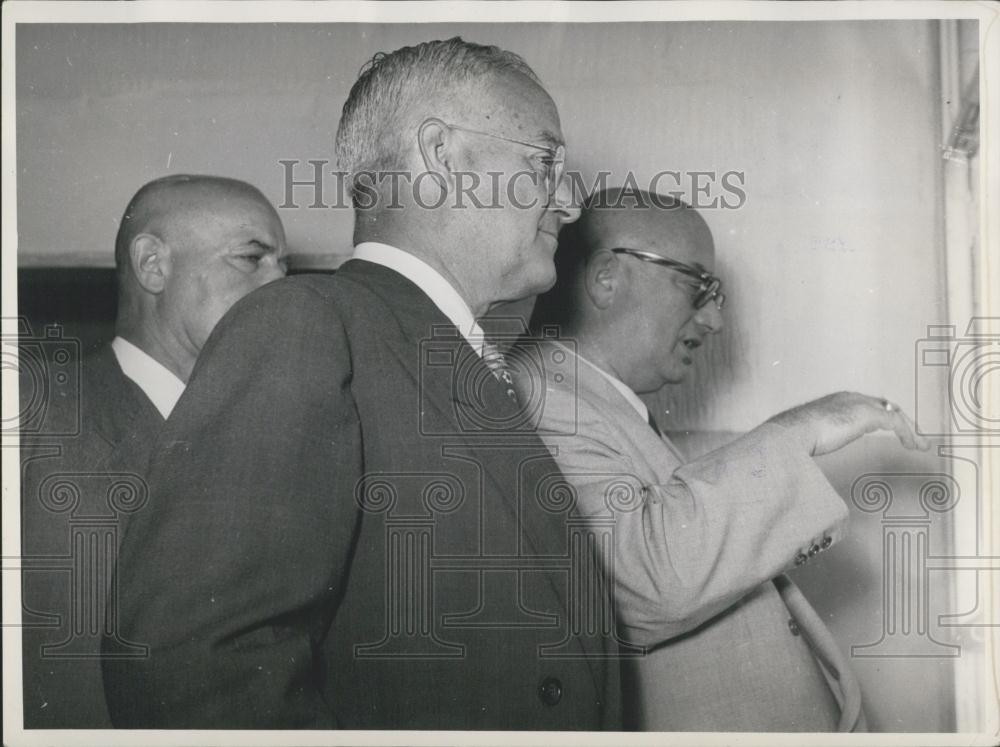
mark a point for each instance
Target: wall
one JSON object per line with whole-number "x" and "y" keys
{"x": 833, "y": 124}
{"x": 833, "y": 267}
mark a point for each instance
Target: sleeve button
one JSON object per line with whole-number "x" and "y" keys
{"x": 550, "y": 691}
{"x": 800, "y": 559}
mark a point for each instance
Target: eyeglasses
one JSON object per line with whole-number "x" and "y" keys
{"x": 554, "y": 160}
{"x": 709, "y": 286}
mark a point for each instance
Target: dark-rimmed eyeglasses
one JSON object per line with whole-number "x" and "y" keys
{"x": 554, "y": 160}
{"x": 709, "y": 287}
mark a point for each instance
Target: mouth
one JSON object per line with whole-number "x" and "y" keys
{"x": 549, "y": 235}
{"x": 690, "y": 344}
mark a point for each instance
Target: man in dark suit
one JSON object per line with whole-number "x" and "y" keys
{"x": 187, "y": 248}
{"x": 345, "y": 527}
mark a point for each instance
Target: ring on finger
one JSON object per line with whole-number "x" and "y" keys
{"x": 888, "y": 406}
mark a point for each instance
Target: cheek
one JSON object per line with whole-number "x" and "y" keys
{"x": 216, "y": 293}
{"x": 231, "y": 288}
{"x": 665, "y": 329}
{"x": 522, "y": 193}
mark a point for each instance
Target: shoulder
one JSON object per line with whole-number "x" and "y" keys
{"x": 554, "y": 380}
{"x": 278, "y": 300}
{"x": 296, "y": 305}
{"x": 276, "y": 315}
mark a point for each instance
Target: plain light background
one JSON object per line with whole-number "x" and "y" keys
{"x": 834, "y": 265}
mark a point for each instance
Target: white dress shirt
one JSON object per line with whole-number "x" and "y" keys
{"x": 157, "y": 381}
{"x": 430, "y": 281}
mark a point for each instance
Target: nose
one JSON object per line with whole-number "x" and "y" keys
{"x": 562, "y": 202}
{"x": 709, "y": 318}
{"x": 273, "y": 270}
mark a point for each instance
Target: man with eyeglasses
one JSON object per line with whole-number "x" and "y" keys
{"x": 342, "y": 531}
{"x": 699, "y": 546}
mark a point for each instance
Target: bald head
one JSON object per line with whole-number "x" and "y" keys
{"x": 188, "y": 247}
{"x": 640, "y": 220}
{"x": 635, "y": 315}
{"x": 621, "y": 218}
{"x": 172, "y": 202}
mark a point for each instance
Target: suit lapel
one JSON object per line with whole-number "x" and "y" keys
{"x": 597, "y": 386}
{"x": 418, "y": 320}
{"x": 112, "y": 404}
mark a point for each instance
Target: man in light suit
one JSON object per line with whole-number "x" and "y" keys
{"x": 698, "y": 556}
{"x": 342, "y": 531}
{"x": 188, "y": 246}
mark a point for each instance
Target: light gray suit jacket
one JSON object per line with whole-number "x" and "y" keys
{"x": 698, "y": 557}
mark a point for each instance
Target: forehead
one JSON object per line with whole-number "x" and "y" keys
{"x": 677, "y": 234}
{"x": 229, "y": 215}
{"x": 520, "y": 108}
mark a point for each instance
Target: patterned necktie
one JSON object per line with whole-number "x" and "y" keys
{"x": 495, "y": 361}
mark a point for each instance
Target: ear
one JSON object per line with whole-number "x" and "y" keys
{"x": 434, "y": 140}
{"x": 603, "y": 278}
{"x": 150, "y": 259}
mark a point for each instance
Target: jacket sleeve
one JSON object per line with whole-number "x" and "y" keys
{"x": 231, "y": 572}
{"x": 690, "y": 546}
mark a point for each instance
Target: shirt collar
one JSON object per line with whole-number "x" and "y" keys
{"x": 431, "y": 282}
{"x": 157, "y": 381}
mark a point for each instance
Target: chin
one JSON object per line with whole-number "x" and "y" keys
{"x": 546, "y": 285}
{"x": 540, "y": 281}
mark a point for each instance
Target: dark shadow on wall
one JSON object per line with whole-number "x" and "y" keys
{"x": 82, "y": 300}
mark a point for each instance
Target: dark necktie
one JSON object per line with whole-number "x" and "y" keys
{"x": 495, "y": 361}
{"x": 652, "y": 424}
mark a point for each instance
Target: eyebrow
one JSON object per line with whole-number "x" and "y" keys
{"x": 551, "y": 137}
{"x": 263, "y": 245}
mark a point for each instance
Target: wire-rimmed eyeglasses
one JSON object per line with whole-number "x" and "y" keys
{"x": 554, "y": 160}
{"x": 709, "y": 286}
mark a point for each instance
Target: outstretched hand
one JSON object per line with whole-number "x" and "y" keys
{"x": 832, "y": 422}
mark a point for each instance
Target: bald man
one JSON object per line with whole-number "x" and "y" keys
{"x": 188, "y": 247}
{"x": 700, "y": 547}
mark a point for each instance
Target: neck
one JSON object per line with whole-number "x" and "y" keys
{"x": 164, "y": 349}
{"x": 425, "y": 244}
{"x": 590, "y": 347}
{"x": 604, "y": 345}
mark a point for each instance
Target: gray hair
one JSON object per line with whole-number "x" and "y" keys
{"x": 396, "y": 91}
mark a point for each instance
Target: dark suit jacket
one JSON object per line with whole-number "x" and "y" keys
{"x": 342, "y": 533}
{"x": 76, "y": 490}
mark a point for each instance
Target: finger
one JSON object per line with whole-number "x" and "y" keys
{"x": 902, "y": 431}
{"x": 887, "y": 417}
{"x": 900, "y": 426}
{"x": 922, "y": 442}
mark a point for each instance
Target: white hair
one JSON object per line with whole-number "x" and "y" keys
{"x": 396, "y": 91}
